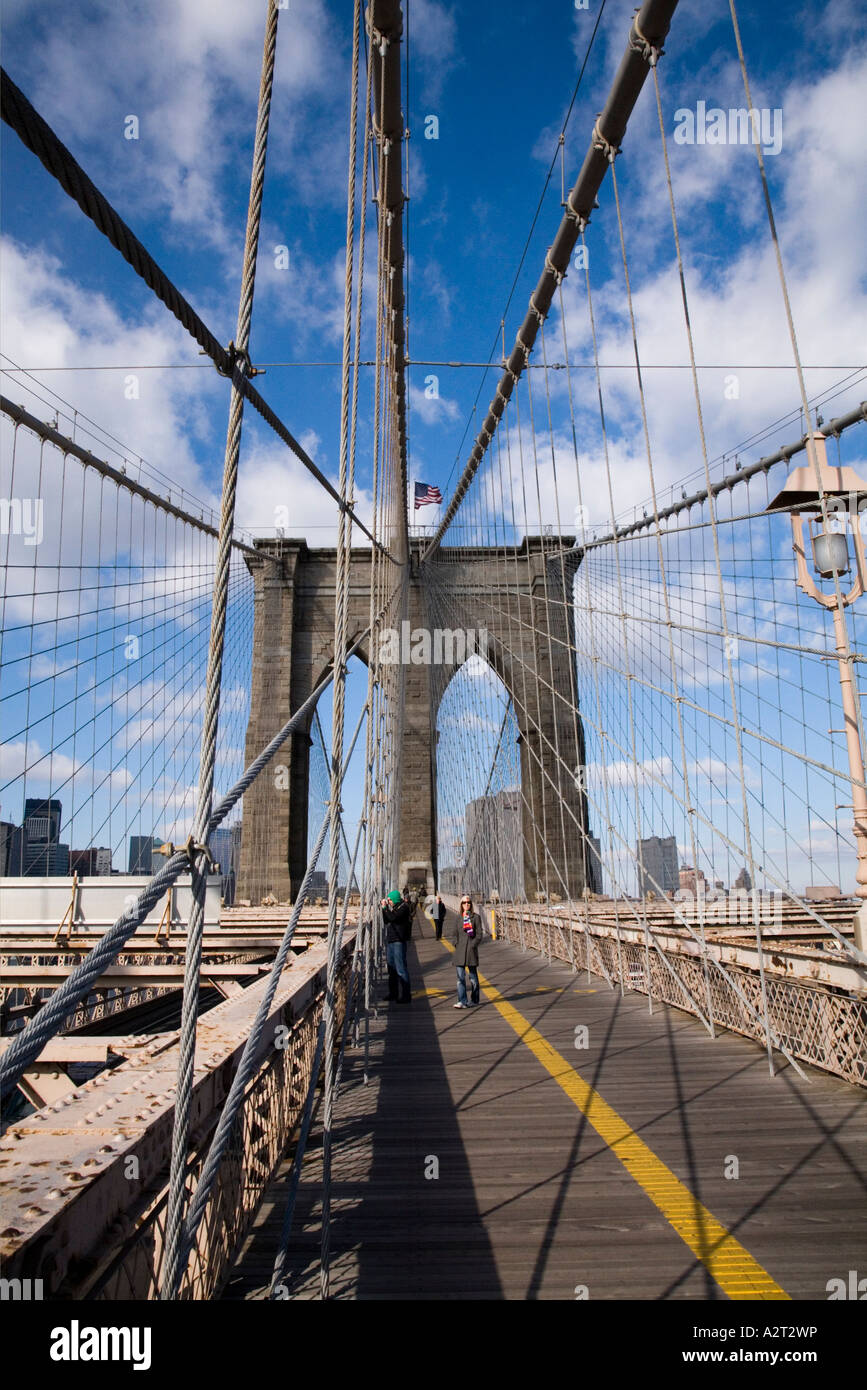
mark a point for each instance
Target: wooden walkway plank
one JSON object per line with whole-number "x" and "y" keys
{"x": 530, "y": 1201}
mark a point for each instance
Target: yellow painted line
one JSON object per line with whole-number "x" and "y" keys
{"x": 430, "y": 993}
{"x": 732, "y": 1266}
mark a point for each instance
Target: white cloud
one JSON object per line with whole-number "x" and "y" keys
{"x": 433, "y": 45}
{"x": 276, "y": 490}
{"x": 192, "y": 79}
{"x": 42, "y": 767}
{"x": 736, "y": 307}
{"x": 50, "y": 321}
{"x": 432, "y": 410}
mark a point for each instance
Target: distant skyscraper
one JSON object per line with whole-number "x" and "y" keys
{"x": 692, "y": 881}
{"x": 659, "y": 860}
{"x": 42, "y": 819}
{"x": 743, "y": 881}
{"x": 11, "y": 849}
{"x": 225, "y": 844}
{"x": 495, "y": 846}
{"x": 451, "y": 878}
{"x": 43, "y": 854}
{"x": 89, "y": 863}
{"x": 141, "y": 853}
{"x": 594, "y": 864}
{"x": 318, "y": 887}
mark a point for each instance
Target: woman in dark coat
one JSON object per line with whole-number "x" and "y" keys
{"x": 466, "y": 937}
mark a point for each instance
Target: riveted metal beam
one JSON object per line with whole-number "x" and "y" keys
{"x": 68, "y": 1191}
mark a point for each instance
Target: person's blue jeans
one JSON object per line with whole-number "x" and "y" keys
{"x": 463, "y": 971}
{"x": 398, "y": 972}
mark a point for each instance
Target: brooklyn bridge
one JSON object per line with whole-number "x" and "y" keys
{"x": 611, "y": 693}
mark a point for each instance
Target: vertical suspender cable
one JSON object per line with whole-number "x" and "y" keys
{"x": 342, "y": 584}
{"x": 736, "y": 721}
{"x": 173, "y": 1268}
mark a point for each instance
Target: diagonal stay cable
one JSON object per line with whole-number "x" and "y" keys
{"x": 61, "y": 441}
{"x": 40, "y": 139}
{"x": 79, "y": 983}
{"x": 341, "y": 586}
{"x": 558, "y": 154}
{"x": 172, "y": 1267}
{"x": 250, "y": 1058}
{"x": 646, "y": 35}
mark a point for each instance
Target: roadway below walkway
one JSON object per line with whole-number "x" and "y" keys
{"x": 489, "y": 1157}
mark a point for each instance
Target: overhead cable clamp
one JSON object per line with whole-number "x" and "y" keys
{"x": 550, "y": 266}
{"x": 191, "y": 848}
{"x": 600, "y": 143}
{"x": 238, "y": 358}
{"x": 650, "y": 52}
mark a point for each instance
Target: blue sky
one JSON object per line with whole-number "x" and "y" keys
{"x": 499, "y": 79}
{"x": 500, "y": 82}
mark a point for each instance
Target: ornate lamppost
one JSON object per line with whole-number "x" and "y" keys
{"x": 842, "y": 490}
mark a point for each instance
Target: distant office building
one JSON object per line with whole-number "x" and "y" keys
{"x": 657, "y": 866}
{"x": 318, "y": 885}
{"x": 46, "y": 860}
{"x": 89, "y": 863}
{"x": 743, "y": 882}
{"x": 11, "y": 849}
{"x": 141, "y": 854}
{"x": 693, "y": 881}
{"x": 451, "y": 879}
{"x": 495, "y": 853}
{"x": 42, "y": 819}
{"x": 43, "y": 854}
{"x": 594, "y": 864}
{"x": 225, "y": 845}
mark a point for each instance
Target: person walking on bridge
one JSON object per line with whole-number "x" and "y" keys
{"x": 439, "y": 916}
{"x": 397, "y": 917}
{"x": 466, "y": 937}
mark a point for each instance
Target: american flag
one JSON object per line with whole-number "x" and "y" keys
{"x": 426, "y": 495}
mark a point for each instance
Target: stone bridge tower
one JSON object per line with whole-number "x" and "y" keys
{"x": 513, "y": 597}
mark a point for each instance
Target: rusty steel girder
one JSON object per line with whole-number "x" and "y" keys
{"x": 78, "y": 1177}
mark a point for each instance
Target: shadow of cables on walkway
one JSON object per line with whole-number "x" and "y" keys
{"x": 421, "y": 1236}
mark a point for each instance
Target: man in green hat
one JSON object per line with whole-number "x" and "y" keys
{"x": 397, "y": 916}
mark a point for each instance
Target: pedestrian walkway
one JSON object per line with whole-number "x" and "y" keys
{"x": 491, "y": 1157}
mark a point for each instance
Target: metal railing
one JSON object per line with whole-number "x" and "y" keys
{"x": 819, "y": 1024}
{"x": 265, "y": 1130}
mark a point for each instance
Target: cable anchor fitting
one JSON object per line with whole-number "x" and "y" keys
{"x": 581, "y": 222}
{"x": 238, "y": 358}
{"x": 600, "y": 143}
{"x": 550, "y": 266}
{"x": 650, "y": 52}
{"x": 191, "y": 848}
